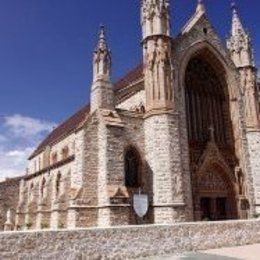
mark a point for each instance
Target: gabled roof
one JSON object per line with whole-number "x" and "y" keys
{"x": 200, "y": 12}
{"x": 76, "y": 120}
{"x": 131, "y": 77}
{"x": 63, "y": 129}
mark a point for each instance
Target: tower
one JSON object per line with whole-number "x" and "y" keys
{"x": 241, "y": 51}
{"x": 155, "y": 21}
{"x": 170, "y": 197}
{"x": 102, "y": 95}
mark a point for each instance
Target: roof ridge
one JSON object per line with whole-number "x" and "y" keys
{"x": 76, "y": 119}
{"x": 51, "y": 137}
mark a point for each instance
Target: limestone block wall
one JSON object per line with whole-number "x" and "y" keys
{"x": 42, "y": 197}
{"x": 102, "y": 96}
{"x": 77, "y": 168}
{"x": 133, "y": 102}
{"x": 164, "y": 159}
{"x": 9, "y": 193}
{"x": 103, "y": 169}
{"x": 118, "y": 139}
{"x": 100, "y": 160}
{"x": 254, "y": 157}
{"x": 37, "y": 163}
{"x": 82, "y": 211}
{"x": 45, "y": 191}
{"x": 127, "y": 242}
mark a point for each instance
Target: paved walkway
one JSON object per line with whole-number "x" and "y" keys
{"x": 250, "y": 252}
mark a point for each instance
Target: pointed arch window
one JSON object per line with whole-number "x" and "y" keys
{"x": 65, "y": 152}
{"x": 57, "y": 184}
{"x": 206, "y": 102}
{"x": 43, "y": 187}
{"x": 132, "y": 168}
{"x": 54, "y": 158}
{"x": 31, "y": 191}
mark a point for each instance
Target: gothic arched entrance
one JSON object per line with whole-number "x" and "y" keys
{"x": 214, "y": 195}
{"x": 209, "y": 125}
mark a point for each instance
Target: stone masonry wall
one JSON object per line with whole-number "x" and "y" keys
{"x": 162, "y": 141}
{"x": 127, "y": 242}
{"x": 254, "y": 157}
{"x": 133, "y": 102}
{"x": 119, "y": 139}
{"x": 9, "y": 194}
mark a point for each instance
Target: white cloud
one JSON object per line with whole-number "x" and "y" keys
{"x": 25, "y": 127}
{"x": 19, "y": 135}
{"x": 13, "y": 163}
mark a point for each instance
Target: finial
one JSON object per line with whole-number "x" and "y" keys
{"x": 234, "y": 8}
{"x": 237, "y": 27}
{"x": 101, "y": 57}
{"x": 102, "y": 32}
{"x": 200, "y": 7}
{"x": 102, "y": 45}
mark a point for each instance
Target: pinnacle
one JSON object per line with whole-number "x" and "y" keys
{"x": 200, "y": 7}
{"x": 102, "y": 45}
{"x": 237, "y": 27}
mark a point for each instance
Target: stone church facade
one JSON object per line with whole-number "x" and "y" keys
{"x": 183, "y": 127}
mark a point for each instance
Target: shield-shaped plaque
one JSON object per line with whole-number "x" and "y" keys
{"x": 141, "y": 204}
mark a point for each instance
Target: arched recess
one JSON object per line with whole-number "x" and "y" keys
{"x": 132, "y": 167}
{"x": 208, "y": 88}
{"x": 229, "y": 78}
{"x": 136, "y": 178}
{"x": 43, "y": 187}
{"x": 58, "y": 185}
{"x": 214, "y": 190}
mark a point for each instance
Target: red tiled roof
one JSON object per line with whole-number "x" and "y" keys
{"x": 129, "y": 78}
{"x": 63, "y": 129}
{"x": 77, "y": 119}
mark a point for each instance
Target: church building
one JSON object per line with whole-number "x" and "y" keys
{"x": 182, "y": 128}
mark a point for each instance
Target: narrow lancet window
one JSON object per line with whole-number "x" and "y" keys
{"x": 132, "y": 167}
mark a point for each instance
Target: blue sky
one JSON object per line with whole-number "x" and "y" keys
{"x": 46, "y": 55}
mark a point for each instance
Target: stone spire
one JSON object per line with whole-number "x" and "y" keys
{"x": 155, "y": 17}
{"x": 241, "y": 52}
{"x": 155, "y": 20}
{"x": 239, "y": 43}
{"x": 237, "y": 27}
{"x": 102, "y": 58}
{"x": 102, "y": 95}
{"x": 200, "y": 7}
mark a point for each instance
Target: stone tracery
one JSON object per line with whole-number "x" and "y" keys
{"x": 204, "y": 102}
{"x": 210, "y": 133}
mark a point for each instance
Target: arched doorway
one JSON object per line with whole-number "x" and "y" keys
{"x": 209, "y": 121}
{"x": 214, "y": 195}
